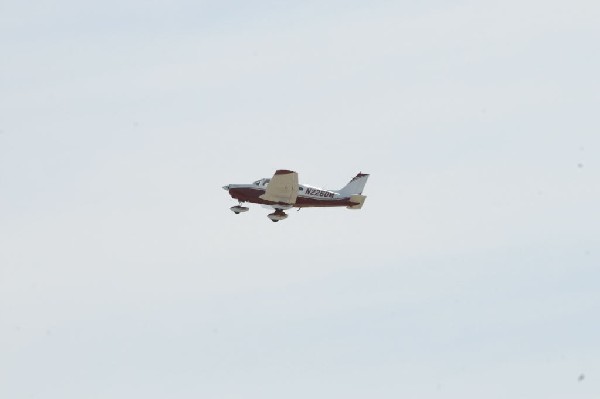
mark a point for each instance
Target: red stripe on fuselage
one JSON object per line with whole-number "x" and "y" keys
{"x": 252, "y": 195}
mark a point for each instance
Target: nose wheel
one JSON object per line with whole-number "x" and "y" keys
{"x": 239, "y": 208}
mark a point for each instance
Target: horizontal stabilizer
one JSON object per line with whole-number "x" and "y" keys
{"x": 359, "y": 200}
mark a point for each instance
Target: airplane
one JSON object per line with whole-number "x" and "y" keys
{"x": 282, "y": 192}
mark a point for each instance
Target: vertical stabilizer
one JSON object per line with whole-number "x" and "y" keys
{"x": 355, "y": 186}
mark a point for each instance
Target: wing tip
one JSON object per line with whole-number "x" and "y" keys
{"x": 283, "y": 172}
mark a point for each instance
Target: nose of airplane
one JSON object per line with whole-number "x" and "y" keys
{"x": 226, "y": 188}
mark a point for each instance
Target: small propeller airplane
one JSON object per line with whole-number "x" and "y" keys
{"x": 282, "y": 192}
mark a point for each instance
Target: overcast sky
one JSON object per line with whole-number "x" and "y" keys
{"x": 472, "y": 271}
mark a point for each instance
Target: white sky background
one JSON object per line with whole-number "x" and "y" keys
{"x": 472, "y": 271}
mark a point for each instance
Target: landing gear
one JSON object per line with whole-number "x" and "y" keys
{"x": 277, "y": 215}
{"x": 239, "y": 208}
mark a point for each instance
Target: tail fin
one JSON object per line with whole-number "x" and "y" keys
{"x": 356, "y": 185}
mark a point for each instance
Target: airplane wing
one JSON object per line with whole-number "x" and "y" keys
{"x": 283, "y": 187}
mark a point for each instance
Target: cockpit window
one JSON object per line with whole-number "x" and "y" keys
{"x": 256, "y": 183}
